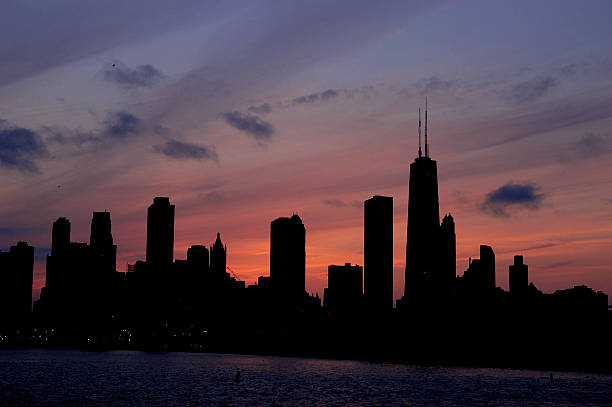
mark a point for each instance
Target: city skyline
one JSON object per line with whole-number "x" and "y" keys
{"x": 519, "y": 124}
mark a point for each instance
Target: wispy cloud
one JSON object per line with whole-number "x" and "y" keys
{"x": 250, "y": 124}
{"x": 341, "y": 204}
{"x": 122, "y": 125}
{"x": 501, "y": 201}
{"x": 212, "y": 197}
{"x": 530, "y": 91}
{"x": 264, "y": 108}
{"x": 591, "y": 145}
{"x": 20, "y": 148}
{"x": 180, "y": 150}
{"x": 141, "y": 76}
{"x": 434, "y": 84}
{"x": 317, "y": 96}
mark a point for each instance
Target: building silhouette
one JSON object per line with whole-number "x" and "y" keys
{"x": 60, "y": 236}
{"x": 288, "y": 260}
{"x": 518, "y": 275}
{"x": 218, "y": 257}
{"x": 344, "y": 287}
{"x": 197, "y": 257}
{"x": 196, "y": 305}
{"x": 160, "y": 234}
{"x": 103, "y": 250}
{"x": 378, "y": 253}
{"x": 448, "y": 253}
{"x": 430, "y": 246}
{"x": 479, "y": 277}
{"x": 60, "y": 244}
{"x": 16, "y": 276}
{"x": 80, "y": 277}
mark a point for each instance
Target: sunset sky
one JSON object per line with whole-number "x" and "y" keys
{"x": 245, "y": 111}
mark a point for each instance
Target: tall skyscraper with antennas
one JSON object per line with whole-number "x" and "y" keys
{"x": 427, "y": 254}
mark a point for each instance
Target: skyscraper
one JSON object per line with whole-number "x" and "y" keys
{"x": 487, "y": 263}
{"x": 422, "y": 243}
{"x": 378, "y": 252}
{"x": 60, "y": 236}
{"x": 518, "y": 274}
{"x": 104, "y": 252}
{"x": 60, "y": 245}
{"x": 344, "y": 287}
{"x": 479, "y": 278}
{"x": 160, "y": 233}
{"x": 197, "y": 257}
{"x": 16, "y": 275}
{"x": 218, "y": 257}
{"x": 288, "y": 258}
{"x": 448, "y": 253}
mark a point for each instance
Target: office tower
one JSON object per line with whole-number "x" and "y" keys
{"x": 60, "y": 236}
{"x": 218, "y": 257}
{"x": 422, "y": 245}
{"x": 480, "y": 275}
{"x": 288, "y": 258}
{"x": 60, "y": 246}
{"x": 160, "y": 233}
{"x": 448, "y": 253}
{"x": 16, "y": 275}
{"x": 103, "y": 250}
{"x": 518, "y": 274}
{"x": 344, "y": 287}
{"x": 487, "y": 263}
{"x": 197, "y": 257}
{"x": 378, "y": 252}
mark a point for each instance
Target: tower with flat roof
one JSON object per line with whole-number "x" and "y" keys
{"x": 160, "y": 233}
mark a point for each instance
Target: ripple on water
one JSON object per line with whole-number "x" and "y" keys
{"x": 65, "y": 378}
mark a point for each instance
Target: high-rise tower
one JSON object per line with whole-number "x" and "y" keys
{"x": 423, "y": 222}
{"x": 160, "y": 233}
{"x": 103, "y": 250}
{"x": 218, "y": 257}
{"x": 288, "y": 259}
{"x": 378, "y": 253}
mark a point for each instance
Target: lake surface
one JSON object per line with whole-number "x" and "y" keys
{"x": 81, "y": 378}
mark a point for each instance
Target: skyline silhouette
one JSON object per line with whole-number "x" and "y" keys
{"x": 519, "y": 117}
{"x": 201, "y": 304}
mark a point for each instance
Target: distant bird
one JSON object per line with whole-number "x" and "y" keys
{"x": 113, "y": 64}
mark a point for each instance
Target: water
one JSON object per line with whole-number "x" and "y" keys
{"x": 66, "y": 378}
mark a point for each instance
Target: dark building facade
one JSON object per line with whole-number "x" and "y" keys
{"x": 16, "y": 275}
{"x": 378, "y": 253}
{"x": 487, "y": 261}
{"x": 344, "y": 287}
{"x": 448, "y": 253}
{"x": 430, "y": 246}
{"x": 288, "y": 259}
{"x": 518, "y": 275}
{"x": 79, "y": 276}
{"x": 103, "y": 250}
{"x": 160, "y": 233}
{"x": 197, "y": 257}
{"x": 480, "y": 276}
{"x": 218, "y": 257}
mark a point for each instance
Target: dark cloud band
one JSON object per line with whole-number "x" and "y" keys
{"x": 181, "y": 150}
{"x": 250, "y": 124}
{"x": 511, "y": 196}
{"x": 20, "y": 148}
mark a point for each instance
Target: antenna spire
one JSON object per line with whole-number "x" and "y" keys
{"x": 419, "y": 132}
{"x": 426, "y": 144}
